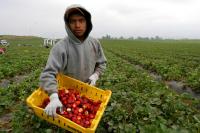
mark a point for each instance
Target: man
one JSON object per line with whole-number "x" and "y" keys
{"x": 2, "y": 50}
{"x": 78, "y": 55}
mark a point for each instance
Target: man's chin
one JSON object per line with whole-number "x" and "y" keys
{"x": 79, "y": 35}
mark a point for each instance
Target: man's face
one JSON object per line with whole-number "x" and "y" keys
{"x": 77, "y": 25}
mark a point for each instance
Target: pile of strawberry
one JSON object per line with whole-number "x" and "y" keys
{"x": 77, "y": 108}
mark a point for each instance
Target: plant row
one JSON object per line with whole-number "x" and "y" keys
{"x": 172, "y": 60}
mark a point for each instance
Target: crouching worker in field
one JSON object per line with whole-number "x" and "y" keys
{"x": 2, "y": 50}
{"x": 78, "y": 56}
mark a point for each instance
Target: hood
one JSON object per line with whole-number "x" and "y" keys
{"x": 87, "y": 15}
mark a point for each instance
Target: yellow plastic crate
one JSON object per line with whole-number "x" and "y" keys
{"x": 94, "y": 93}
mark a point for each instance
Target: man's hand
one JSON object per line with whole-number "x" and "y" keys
{"x": 93, "y": 78}
{"x": 55, "y": 103}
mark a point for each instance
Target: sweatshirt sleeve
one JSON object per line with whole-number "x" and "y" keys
{"x": 101, "y": 61}
{"x": 48, "y": 80}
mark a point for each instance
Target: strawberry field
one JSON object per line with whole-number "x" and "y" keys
{"x": 139, "y": 103}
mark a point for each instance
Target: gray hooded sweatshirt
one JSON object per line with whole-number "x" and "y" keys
{"x": 72, "y": 57}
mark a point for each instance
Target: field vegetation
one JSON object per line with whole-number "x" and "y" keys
{"x": 139, "y": 103}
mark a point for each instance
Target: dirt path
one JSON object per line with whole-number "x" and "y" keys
{"x": 5, "y": 122}
{"x": 6, "y": 117}
{"x": 4, "y": 83}
{"x": 177, "y": 86}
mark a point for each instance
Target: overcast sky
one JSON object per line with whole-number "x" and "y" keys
{"x": 145, "y": 18}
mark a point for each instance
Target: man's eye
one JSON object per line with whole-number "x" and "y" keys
{"x": 71, "y": 21}
{"x": 82, "y": 21}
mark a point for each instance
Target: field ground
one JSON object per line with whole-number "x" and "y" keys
{"x": 143, "y": 76}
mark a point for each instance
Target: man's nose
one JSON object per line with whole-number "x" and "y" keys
{"x": 77, "y": 24}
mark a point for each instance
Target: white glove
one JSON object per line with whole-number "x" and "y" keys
{"x": 93, "y": 78}
{"x": 50, "y": 109}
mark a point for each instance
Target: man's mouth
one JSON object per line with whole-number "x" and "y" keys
{"x": 78, "y": 31}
